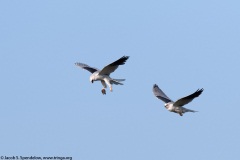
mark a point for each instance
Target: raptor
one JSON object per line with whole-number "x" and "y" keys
{"x": 104, "y": 74}
{"x": 177, "y": 106}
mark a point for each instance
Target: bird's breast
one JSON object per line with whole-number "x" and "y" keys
{"x": 168, "y": 105}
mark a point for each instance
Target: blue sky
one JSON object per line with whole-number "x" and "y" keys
{"x": 49, "y": 108}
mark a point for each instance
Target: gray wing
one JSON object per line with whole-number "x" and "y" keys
{"x": 160, "y": 94}
{"x": 84, "y": 66}
{"x": 187, "y": 99}
{"x": 113, "y": 66}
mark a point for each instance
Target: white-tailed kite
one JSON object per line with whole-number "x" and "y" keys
{"x": 104, "y": 74}
{"x": 177, "y": 106}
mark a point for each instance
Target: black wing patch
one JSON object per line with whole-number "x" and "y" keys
{"x": 120, "y": 61}
{"x": 194, "y": 95}
{"x": 187, "y": 99}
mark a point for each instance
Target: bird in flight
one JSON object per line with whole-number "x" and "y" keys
{"x": 104, "y": 74}
{"x": 177, "y": 106}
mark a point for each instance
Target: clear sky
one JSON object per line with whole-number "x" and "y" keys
{"x": 49, "y": 108}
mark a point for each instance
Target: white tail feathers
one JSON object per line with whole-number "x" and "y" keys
{"x": 117, "y": 81}
{"x": 189, "y": 110}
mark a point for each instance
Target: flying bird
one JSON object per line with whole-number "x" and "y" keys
{"x": 177, "y": 106}
{"x": 104, "y": 74}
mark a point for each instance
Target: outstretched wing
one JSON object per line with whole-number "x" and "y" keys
{"x": 187, "y": 99}
{"x": 84, "y": 66}
{"x": 160, "y": 94}
{"x": 113, "y": 66}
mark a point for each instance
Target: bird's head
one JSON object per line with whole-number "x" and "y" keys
{"x": 166, "y": 105}
{"x": 91, "y": 79}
